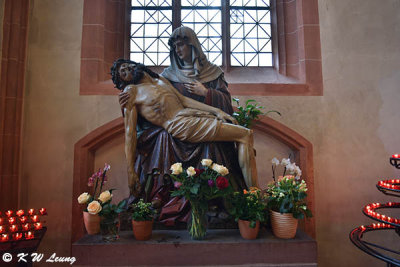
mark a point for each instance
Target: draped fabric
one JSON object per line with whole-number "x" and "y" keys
{"x": 158, "y": 149}
{"x": 203, "y": 70}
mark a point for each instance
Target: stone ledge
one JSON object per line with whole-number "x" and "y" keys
{"x": 172, "y": 248}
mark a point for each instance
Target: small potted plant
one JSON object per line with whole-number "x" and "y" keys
{"x": 286, "y": 200}
{"x": 91, "y": 216}
{"x": 249, "y": 209}
{"x": 142, "y": 220}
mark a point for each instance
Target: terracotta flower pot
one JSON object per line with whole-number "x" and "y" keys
{"x": 246, "y": 231}
{"x": 283, "y": 225}
{"x": 142, "y": 229}
{"x": 92, "y": 223}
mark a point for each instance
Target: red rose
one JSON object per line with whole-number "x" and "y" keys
{"x": 222, "y": 182}
{"x": 199, "y": 171}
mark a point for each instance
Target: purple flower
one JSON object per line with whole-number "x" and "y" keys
{"x": 91, "y": 181}
{"x": 177, "y": 184}
{"x": 210, "y": 183}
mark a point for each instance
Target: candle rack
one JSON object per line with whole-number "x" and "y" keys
{"x": 391, "y": 188}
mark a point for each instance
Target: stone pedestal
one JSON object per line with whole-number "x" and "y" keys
{"x": 174, "y": 248}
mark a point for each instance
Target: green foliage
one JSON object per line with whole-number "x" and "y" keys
{"x": 205, "y": 185}
{"x": 248, "y": 113}
{"x": 287, "y": 196}
{"x": 249, "y": 206}
{"x": 110, "y": 211}
{"x": 142, "y": 211}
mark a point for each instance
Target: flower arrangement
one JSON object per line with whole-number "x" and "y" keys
{"x": 142, "y": 211}
{"x": 288, "y": 193}
{"x": 249, "y": 206}
{"x": 199, "y": 186}
{"x": 248, "y": 113}
{"x": 95, "y": 201}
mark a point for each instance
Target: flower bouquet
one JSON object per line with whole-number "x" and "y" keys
{"x": 142, "y": 220}
{"x": 249, "y": 209}
{"x": 199, "y": 186}
{"x": 287, "y": 194}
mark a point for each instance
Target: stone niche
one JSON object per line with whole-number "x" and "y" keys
{"x": 272, "y": 139}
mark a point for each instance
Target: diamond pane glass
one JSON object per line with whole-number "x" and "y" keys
{"x": 151, "y": 22}
{"x": 250, "y": 29}
{"x": 204, "y": 17}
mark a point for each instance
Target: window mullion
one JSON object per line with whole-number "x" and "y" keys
{"x": 226, "y": 44}
{"x": 176, "y": 14}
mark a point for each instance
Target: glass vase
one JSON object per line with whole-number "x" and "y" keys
{"x": 198, "y": 223}
{"x": 109, "y": 229}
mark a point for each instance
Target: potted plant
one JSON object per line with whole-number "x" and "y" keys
{"x": 142, "y": 220}
{"x": 199, "y": 186}
{"x": 286, "y": 200}
{"x": 249, "y": 209}
{"x": 93, "y": 207}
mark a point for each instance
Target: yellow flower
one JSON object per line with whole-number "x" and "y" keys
{"x": 83, "y": 198}
{"x": 176, "y": 168}
{"x": 94, "y": 207}
{"x": 206, "y": 162}
{"x": 105, "y": 196}
{"x": 190, "y": 171}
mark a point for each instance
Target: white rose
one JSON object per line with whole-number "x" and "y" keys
{"x": 176, "y": 168}
{"x": 190, "y": 171}
{"x": 206, "y": 162}
{"x": 220, "y": 169}
{"x": 275, "y": 161}
{"x": 285, "y": 162}
{"x": 83, "y": 198}
{"x": 105, "y": 196}
{"x": 94, "y": 207}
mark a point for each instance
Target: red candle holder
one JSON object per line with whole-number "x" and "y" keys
{"x": 23, "y": 219}
{"x": 25, "y": 227}
{"x": 29, "y": 235}
{"x": 4, "y": 237}
{"x": 31, "y": 212}
{"x": 11, "y": 220}
{"x": 13, "y": 228}
{"x": 43, "y": 211}
{"x": 38, "y": 226}
{"x": 35, "y": 218}
{"x": 2, "y": 229}
{"x": 9, "y": 213}
{"x": 17, "y": 236}
{"x": 20, "y": 213}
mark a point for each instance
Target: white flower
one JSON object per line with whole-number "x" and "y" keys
{"x": 190, "y": 171}
{"x": 105, "y": 196}
{"x": 285, "y": 162}
{"x": 291, "y": 167}
{"x": 206, "y": 162}
{"x": 94, "y": 207}
{"x": 83, "y": 198}
{"x": 297, "y": 170}
{"x": 275, "y": 161}
{"x": 281, "y": 194}
{"x": 220, "y": 169}
{"x": 176, "y": 168}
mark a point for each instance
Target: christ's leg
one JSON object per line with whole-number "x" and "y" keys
{"x": 244, "y": 138}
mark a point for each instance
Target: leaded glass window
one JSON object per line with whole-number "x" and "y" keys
{"x": 250, "y": 28}
{"x": 249, "y": 24}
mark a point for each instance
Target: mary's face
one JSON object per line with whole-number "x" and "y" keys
{"x": 183, "y": 50}
{"x": 125, "y": 72}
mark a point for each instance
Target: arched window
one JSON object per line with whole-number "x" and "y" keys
{"x": 241, "y": 39}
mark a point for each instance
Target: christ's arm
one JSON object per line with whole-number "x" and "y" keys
{"x": 130, "y": 121}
